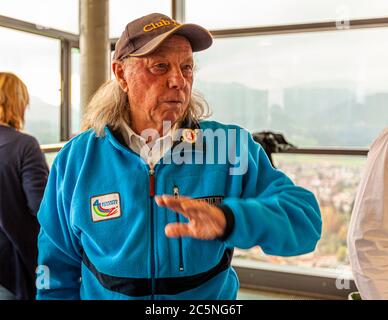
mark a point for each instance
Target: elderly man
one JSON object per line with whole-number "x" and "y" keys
{"x": 144, "y": 204}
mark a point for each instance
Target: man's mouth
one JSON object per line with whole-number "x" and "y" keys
{"x": 174, "y": 101}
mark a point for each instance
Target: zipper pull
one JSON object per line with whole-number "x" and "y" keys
{"x": 152, "y": 182}
{"x": 176, "y": 192}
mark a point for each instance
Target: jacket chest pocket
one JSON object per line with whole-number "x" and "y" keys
{"x": 194, "y": 255}
{"x": 211, "y": 185}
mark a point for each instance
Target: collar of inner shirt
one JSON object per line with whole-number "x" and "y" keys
{"x": 151, "y": 151}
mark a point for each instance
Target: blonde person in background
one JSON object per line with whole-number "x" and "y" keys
{"x": 368, "y": 232}
{"x": 23, "y": 176}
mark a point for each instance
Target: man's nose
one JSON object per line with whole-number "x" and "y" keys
{"x": 176, "y": 79}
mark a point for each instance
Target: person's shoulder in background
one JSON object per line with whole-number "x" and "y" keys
{"x": 16, "y": 141}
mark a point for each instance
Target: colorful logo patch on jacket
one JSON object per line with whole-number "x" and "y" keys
{"x": 105, "y": 207}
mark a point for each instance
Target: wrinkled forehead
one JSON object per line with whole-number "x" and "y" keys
{"x": 175, "y": 45}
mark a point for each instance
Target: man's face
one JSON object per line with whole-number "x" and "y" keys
{"x": 158, "y": 85}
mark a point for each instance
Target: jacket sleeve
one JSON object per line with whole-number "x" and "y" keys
{"x": 58, "y": 245}
{"x": 273, "y": 213}
{"x": 368, "y": 230}
{"x": 34, "y": 172}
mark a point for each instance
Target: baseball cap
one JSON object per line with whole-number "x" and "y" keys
{"x": 142, "y": 36}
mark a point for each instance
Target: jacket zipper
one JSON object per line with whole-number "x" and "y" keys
{"x": 152, "y": 195}
{"x": 181, "y": 267}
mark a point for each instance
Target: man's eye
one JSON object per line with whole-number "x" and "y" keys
{"x": 188, "y": 67}
{"x": 160, "y": 67}
{"x": 187, "y": 70}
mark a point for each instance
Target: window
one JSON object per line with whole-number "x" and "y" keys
{"x": 50, "y": 157}
{"x": 334, "y": 181}
{"x": 219, "y": 14}
{"x": 319, "y": 89}
{"x": 36, "y": 60}
{"x": 123, "y": 11}
{"x": 57, "y": 14}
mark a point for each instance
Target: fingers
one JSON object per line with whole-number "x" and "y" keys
{"x": 203, "y": 218}
{"x": 204, "y": 225}
{"x": 170, "y": 201}
{"x": 186, "y": 206}
{"x": 175, "y": 230}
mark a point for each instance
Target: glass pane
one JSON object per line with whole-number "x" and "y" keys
{"x": 75, "y": 92}
{"x": 50, "y": 157}
{"x": 334, "y": 181}
{"x": 36, "y": 60}
{"x": 221, "y": 14}
{"x": 123, "y": 11}
{"x": 56, "y": 14}
{"x": 319, "y": 89}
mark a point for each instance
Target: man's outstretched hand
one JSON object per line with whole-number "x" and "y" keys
{"x": 206, "y": 221}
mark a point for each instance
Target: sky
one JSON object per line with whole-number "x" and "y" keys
{"x": 57, "y": 14}
{"x": 35, "y": 59}
{"x": 215, "y": 14}
{"x": 278, "y": 61}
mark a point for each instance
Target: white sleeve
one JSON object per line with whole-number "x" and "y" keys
{"x": 368, "y": 230}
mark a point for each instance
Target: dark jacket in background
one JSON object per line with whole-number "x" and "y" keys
{"x": 23, "y": 176}
{"x": 272, "y": 143}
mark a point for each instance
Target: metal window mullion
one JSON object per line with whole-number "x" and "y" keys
{"x": 52, "y": 147}
{"x": 65, "y": 107}
{"x": 328, "y": 151}
{"x": 301, "y": 28}
{"x": 286, "y": 29}
{"x": 178, "y": 8}
{"x": 306, "y": 151}
{"x": 24, "y": 26}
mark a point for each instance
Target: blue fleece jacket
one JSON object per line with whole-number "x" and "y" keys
{"x": 102, "y": 233}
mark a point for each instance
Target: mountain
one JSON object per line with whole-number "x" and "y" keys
{"x": 313, "y": 114}
{"x": 42, "y": 121}
{"x": 235, "y": 103}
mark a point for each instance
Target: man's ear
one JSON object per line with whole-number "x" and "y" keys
{"x": 118, "y": 70}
